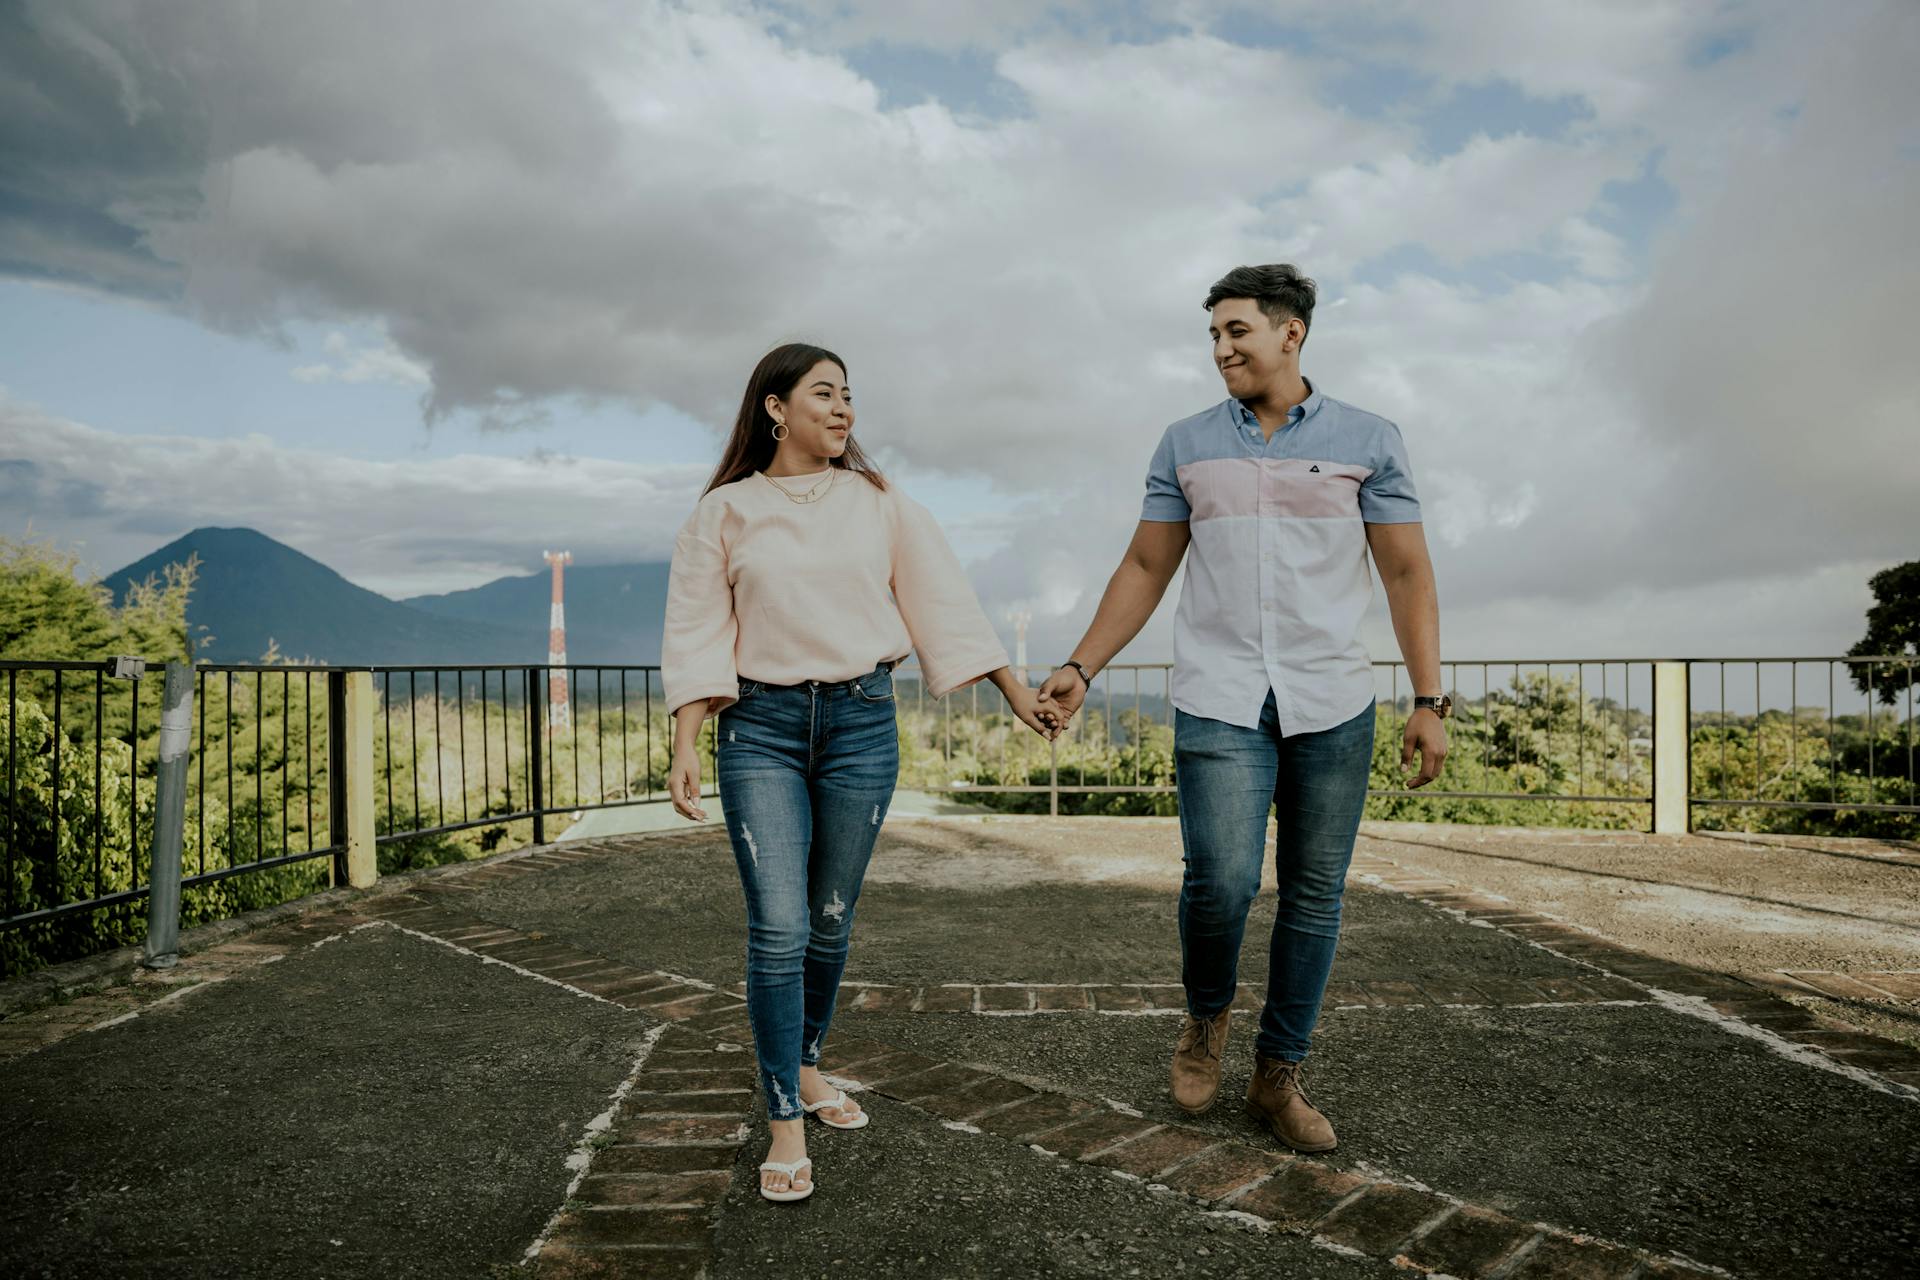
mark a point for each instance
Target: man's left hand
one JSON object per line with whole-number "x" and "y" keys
{"x": 1426, "y": 737}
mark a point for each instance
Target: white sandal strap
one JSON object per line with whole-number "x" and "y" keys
{"x": 777, "y": 1166}
{"x": 839, "y": 1102}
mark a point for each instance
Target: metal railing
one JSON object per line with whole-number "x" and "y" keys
{"x": 1542, "y": 726}
{"x": 64, "y": 719}
{"x": 265, "y": 790}
{"x": 292, "y": 765}
{"x": 1850, "y": 748}
{"x": 84, "y": 807}
{"x": 1569, "y": 729}
{"x": 475, "y": 733}
{"x": 264, "y": 747}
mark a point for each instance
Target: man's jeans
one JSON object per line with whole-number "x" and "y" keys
{"x": 806, "y": 773}
{"x": 1229, "y": 779}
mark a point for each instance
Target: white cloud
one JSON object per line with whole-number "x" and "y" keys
{"x": 381, "y": 363}
{"x": 1494, "y": 195}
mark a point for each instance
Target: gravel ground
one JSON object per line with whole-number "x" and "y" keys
{"x": 378, "y": 1106}
{"x": 908, "y": 1197}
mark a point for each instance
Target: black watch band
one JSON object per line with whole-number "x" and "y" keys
{"x": 1085, "y": 679}
{"x": 1441, "y": 706}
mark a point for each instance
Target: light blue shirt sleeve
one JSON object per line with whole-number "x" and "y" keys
{"x": 1165, "y": 500}
{"x": 1387, "y": 496}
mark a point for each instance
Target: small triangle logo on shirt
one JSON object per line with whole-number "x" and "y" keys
{"x": 1314, "y": 467}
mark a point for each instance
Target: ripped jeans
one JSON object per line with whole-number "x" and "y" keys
{"x": 806, "y": 773}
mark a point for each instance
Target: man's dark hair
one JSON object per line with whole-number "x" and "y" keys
{"x": 1278, "y": 289}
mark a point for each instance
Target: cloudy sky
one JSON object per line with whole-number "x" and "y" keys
{"x": 423, "y": 289}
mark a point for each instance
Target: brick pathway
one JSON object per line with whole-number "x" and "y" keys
{"x": 1166, "y": 999}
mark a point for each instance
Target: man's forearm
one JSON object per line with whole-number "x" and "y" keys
{"x": 1132, "y": 594}
{"x": 1415, "y": 605}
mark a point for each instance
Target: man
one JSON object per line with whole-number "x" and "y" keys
{"x": 1281, "y": 491}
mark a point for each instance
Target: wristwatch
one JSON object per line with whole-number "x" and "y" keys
{"x": 1441, "y": 706}
{"x": 1085, "y": 679}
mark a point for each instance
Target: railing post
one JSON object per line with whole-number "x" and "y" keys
{"x": 360, "y": 858}
{"x": 162, "y": 947}
{"x": 536, "y": 738}
{"x": 337, "y": 775}
{"x": 1672, "y": 749}
{"x": 1053, "y": 778}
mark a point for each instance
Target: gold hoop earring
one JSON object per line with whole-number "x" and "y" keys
{"x": 780, "y": 431}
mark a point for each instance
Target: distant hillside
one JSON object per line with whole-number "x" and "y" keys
{"x": 252, "y": 591}
{"x": 614, "y": 612}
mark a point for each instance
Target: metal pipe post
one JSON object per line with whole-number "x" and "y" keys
{"x": 536, "y": 740}
{"x": 162, "y": 948}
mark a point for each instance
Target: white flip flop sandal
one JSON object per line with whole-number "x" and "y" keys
{"x": 838, "y": 1102}
{"x": 793, "y": 1173}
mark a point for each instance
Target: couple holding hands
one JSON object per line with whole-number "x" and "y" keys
{"x": 803, "y": 578}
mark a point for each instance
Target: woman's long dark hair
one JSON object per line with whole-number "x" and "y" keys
{"x": 752, "y": 445}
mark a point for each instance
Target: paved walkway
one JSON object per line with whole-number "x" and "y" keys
{"x": 536, "y": 1065}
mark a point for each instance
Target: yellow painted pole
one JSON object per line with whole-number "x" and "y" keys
{"x": 363, "y": 867}
{"x": 1672, "y": 750}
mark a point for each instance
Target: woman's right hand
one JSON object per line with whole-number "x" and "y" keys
{"x": 683, "y": 784}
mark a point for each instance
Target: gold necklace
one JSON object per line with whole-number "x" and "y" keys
{"x": 813, "y": 494}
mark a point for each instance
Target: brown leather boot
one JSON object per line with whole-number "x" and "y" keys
{"x": 1275, "y": 1097}
{"x": 1196, "y": 1062}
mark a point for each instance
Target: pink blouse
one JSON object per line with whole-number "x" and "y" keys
{"x": 764, "y": 588}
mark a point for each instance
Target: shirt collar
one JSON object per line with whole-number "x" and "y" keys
{"x": 1299, "y": 413}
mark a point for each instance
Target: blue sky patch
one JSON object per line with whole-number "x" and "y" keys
{"x": 1718, "y": 47}
{"x": 965, "y": 81}
{"x": 1635, "y": 209}
{"x": 1496, "y": 108}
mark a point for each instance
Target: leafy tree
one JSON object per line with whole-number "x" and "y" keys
{"x": 1893, "y": 627}
{"x": 49, "y": 614}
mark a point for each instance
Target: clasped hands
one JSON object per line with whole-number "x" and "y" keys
{"x": 1049, "y": 709}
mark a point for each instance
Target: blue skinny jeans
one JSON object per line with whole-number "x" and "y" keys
{"x": 806, "y": 773}
{"x": 1229, "y": 779}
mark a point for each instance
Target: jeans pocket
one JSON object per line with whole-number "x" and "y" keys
{"x": 876, "y": 688}
{"x": 747, "y": 689}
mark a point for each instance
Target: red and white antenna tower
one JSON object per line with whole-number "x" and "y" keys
{"x": 559, "y": 714}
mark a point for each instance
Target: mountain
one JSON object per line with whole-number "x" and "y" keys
{"x": 252, "y": 591}
{"x": 614, "y": 611}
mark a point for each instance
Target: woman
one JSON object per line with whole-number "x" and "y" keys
{"x": 801, "y": 579}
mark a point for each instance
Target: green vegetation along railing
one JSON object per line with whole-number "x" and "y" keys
{"x": 1812, "y": 745}
{"x": 461, "y": 764}
{"x": 299, "y": 778}
{"x": 1808, "y": 745}
{"x": 1567, "y": 742}
{"x": 82, "y": 801}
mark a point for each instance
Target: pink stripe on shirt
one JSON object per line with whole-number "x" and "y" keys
{"x": 1302, "y": 488}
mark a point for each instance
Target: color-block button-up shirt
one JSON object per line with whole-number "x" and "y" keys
{"x": 1277, "y": 578}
